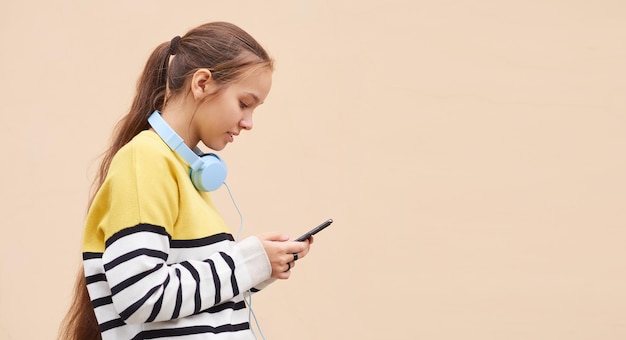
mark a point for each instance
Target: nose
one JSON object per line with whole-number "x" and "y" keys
{"x": 246, "y": 122}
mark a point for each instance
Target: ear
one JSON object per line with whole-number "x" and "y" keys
{"x": 202, "y": 83}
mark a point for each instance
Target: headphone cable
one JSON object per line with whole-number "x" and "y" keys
{"x": 251, "y": 313}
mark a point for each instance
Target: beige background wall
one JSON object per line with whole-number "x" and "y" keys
{"x": 472, "y": 153}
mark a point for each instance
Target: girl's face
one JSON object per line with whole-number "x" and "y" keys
{"x": 222, "y": 117}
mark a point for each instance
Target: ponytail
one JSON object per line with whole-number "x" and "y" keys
{"x": 150, "y": 96}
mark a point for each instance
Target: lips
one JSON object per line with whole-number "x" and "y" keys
{"x": 231, "y": 136}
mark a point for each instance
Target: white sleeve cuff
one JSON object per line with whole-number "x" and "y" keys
{"x": 253, "y": 262}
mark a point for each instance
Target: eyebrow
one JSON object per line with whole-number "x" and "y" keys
{"x": 256, "y": 99}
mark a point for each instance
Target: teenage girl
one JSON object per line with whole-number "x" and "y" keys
{"x": 159, "y": 261}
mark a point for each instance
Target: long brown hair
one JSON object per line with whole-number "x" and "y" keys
{"x": 230, "y": 54}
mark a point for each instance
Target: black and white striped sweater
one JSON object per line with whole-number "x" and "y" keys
{"x": 159, "y": 260}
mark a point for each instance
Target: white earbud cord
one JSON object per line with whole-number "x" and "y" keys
{"x": 248, "y": 302}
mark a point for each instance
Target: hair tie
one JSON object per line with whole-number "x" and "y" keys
{"x": 174, "y": 45}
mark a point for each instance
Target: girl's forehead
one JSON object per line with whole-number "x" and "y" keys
{"x": 257, "y": 84}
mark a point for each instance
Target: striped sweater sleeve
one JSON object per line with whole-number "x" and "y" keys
{"x": 144, "y": 288}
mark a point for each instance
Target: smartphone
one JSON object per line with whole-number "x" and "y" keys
{"x": 315, "y": 230}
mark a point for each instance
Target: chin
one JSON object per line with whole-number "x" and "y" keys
{"x": 217, "y": 147}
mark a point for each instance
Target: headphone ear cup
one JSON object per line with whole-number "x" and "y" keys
{"x": 211, "y": 173}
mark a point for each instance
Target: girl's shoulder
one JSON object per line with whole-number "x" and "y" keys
{"x": 147, "y": 157}
{"x": 146, "y": 147}
{"x": 147, "y": 142}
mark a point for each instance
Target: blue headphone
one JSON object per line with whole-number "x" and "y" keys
{"x": 208, "y": 171}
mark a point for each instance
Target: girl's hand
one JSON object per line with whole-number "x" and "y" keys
{"x": 283, "y": 252}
